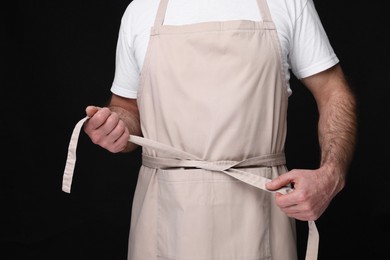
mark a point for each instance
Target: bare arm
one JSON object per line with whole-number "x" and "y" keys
{"x": 111, "y": 126}
{"x": 337, "y": 122}
{"x": 314, "y": 189}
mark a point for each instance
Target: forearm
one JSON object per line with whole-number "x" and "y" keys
{"x": 127, "y": 110}
{"x": 337, "y": 133}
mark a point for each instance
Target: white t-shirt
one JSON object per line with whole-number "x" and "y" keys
{"x": 304, "y": 44}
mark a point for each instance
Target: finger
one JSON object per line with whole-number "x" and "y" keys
{"x": 121, "y": 142}
{"x": 117, "y": 139}
{"x": 298, "y": 213}
{"x": 287, "y": 200}
{"x": 98, "y": 119}
{"x": 279, "y": 182}
{"x": 91, "y": 110}
{"x": 117, "y": 131}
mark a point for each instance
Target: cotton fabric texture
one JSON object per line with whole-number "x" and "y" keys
{"x": 213, "y": 100}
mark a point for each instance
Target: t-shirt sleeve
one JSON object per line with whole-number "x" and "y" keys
{"x": 126, "y": 76}
{"x": 311, "y": 50}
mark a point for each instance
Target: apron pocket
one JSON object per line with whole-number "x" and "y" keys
{"x": 205, "y": 215}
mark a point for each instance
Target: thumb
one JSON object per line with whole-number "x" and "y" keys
{"x": 279, "y": 182}
{"x": 91, "y": 110}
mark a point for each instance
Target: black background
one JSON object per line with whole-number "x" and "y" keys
{"x": 59, "y": 56}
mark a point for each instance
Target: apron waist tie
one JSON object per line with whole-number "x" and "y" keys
{"x": 231, "y": 168}
{"x": 178, "y": 158}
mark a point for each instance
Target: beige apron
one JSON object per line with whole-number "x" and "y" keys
{"x": 213, "y": 106}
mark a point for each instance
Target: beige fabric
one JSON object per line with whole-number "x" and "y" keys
{"x": 213, "y": 107}
{"x": 71, "y": 157}
{"x": 216, "y": 91}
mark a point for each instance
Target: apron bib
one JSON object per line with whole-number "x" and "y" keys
{"x": 213, "y": 109}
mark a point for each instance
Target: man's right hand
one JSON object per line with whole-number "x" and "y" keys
{"x": 105, "y": 128}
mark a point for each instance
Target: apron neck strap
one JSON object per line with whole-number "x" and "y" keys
{"x": 162, "y": 8}
{"x": 264, "y": 10}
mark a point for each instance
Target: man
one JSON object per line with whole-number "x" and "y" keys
{"x": 207, "y": 89}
